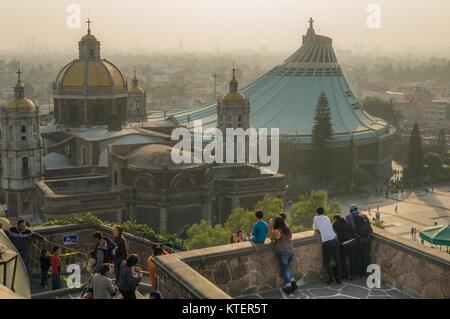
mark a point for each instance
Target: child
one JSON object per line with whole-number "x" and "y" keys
{"x": 45, "y": 265}
{"x": 56, "y": 262}
{"x": 92, "y": 262}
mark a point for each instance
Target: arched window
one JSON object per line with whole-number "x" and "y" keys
{"x": 25, "y": 166}
{"x": 23, "y": 130}
{"x": 138, "y": 104}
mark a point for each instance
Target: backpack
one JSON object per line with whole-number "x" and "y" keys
{"x": 110, "y": 252}
{"x": 363, "y": 226}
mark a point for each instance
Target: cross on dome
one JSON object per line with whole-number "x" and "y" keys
{"x": 88, "y": 22}
{"x": 19, "y": 72}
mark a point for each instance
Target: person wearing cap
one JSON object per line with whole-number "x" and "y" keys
{"x": 352, "y": 216}
{"x": 362, "y": 230}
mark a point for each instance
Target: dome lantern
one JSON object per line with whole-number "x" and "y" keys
{"x": 89, "y": 46}
{"x": 20, "y": 103}
{"x": 19, "y": 89}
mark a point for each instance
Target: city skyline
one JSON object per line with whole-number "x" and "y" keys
{"x": 200, "y": 25}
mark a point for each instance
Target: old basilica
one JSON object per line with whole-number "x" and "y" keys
{"x": 101, "y": 155}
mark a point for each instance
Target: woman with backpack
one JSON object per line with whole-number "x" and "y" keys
{"x": 281, "y": 238}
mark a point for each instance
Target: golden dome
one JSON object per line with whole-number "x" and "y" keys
{"x": 233, "y": 97}
{"x": 20, "y": 105}
{"x": 137, "y": 90}
{"x": 90, "y": 74}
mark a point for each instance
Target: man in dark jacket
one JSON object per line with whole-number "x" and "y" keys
{"x": 122, "y": 250}
{"x": 105, "y": 249}
{"x": 349, "y": 245}
{"x": 21, "y": 237}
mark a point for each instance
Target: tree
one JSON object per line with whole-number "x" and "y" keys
{"x": 240, "y": 219}
{"x": 321, "y": 135}
{"x": 130, "y": 226}
{"x": 243, "y": 219}
{"x": 434, "y": 162}
{"x": 203, "y": 235}
{"x": 303, "y": 212}
{"x": 415, "y": 169}
{"x": 382, "y": 109}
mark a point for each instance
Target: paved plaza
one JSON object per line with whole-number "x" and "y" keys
{"x": 354, "y": 289}
{"x": 417, "y": 209}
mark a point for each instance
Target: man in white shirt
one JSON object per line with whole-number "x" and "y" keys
{"x": 330, "y": 245}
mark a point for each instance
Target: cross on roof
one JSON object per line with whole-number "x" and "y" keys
{"x": 18, "y": 74}
{"x": 89, "y": 25}
{"x": 311, "y": 22}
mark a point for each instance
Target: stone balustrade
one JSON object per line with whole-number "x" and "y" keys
{"x": 236, "y": 270}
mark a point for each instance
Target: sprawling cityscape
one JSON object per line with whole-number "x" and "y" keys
{"x": 151, "y": 162}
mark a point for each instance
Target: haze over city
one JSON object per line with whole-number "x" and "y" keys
{"x": 209, "y": 25}
{"x": 134, "y": 152}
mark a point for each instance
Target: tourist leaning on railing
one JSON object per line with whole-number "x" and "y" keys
{"x": 260, "y": 229}
{"x": 330, "y": 245}
{"x": 21, "y": 237}
{"x": 281, "y": 238}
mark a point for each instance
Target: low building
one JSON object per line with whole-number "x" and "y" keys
{"x": 143, "y": 183}
{"x": 437, "y": 113}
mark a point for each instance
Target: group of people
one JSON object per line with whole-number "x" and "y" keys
{"x": 112, "y": 269}
{"x": 346, "y": 241}
{"x": 239, "y": 237}
{"x": 112, "y": 254}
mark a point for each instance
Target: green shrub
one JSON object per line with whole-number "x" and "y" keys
{"x": 131, "y": 227}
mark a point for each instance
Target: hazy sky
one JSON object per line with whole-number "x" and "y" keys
{"x": 231, "y": 24}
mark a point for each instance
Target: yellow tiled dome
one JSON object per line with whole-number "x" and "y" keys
{"x": 20, "y": 105}
{"x": 91, "y": 74}
{"x": 233, "y": 97}
{"x": 137, "y": 90}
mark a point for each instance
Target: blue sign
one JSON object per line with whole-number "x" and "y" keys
{"x": 70, "y": 239}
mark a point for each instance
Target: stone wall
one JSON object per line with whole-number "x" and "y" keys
{"x": 238, "y": 269}
{"x": 254, "y": 268}
{"x": 417, "y": 270}
{"x": 244, "y": 268}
